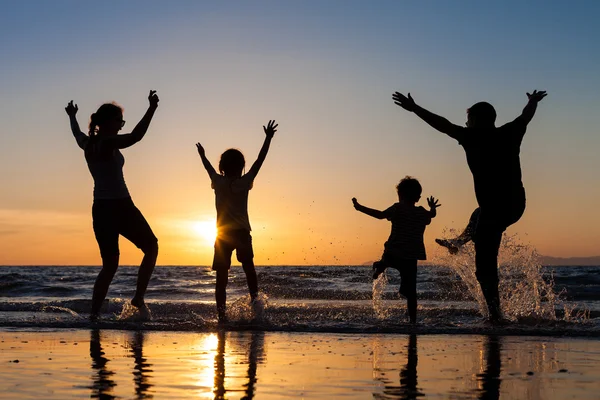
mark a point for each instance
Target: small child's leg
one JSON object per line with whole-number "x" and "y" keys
{"x": 379, "y": 267}
{"x": 408, "y": 286}
{"x": 454, "y": 245}
{"x": 221, "y": 293}
{"x": 245, "y": 255}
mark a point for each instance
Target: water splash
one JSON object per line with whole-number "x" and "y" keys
{"x": 526, "y": 293}
{"x": 131, "y": 313}
{"x": 381, "y": 310}
{"x": 245, "y": 310}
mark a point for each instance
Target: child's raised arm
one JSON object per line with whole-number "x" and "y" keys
{"x": 207, "y": 165}
{"x": 432, "y": 202}
{"x": 435, "y": 121}
{"x": 270, "y": 130}
{"x": 529, "y": 110}
{"x": 80, "y": 137}
{"x": 366, "y": 210}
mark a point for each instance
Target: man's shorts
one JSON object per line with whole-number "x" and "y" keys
{"x": 227, "y": 241}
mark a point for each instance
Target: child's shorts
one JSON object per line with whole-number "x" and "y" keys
{"x": 407, "y": 269}
{"x": 227, "y": 241}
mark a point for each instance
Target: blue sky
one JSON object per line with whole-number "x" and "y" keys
{"x": 326, "y": 71}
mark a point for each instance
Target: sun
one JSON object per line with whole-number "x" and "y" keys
{"x": 207, "y": 230}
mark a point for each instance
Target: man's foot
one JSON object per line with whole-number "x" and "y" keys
{"x": 451, "y": 245}
{"x": 378, "y": 269}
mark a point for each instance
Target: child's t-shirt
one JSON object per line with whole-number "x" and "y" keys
{"x": 408, "y": 227}
{"x": 231, "y": 200}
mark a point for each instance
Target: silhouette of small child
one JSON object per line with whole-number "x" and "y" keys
{"x": 231, "y": 188}
{"x": 405, "y": 245}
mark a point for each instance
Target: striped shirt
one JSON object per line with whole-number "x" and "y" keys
{"x": 408, "y": 227}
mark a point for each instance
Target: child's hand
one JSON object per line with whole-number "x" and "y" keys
{"x": 71, "y": 109}
{"x": 536, "y": 96}
{"x": 355, "y": 203}
{"x": 153, "y": 98}
{"x": 270, "y": 129}
{"x": 433, "y": 203}
{"x": 405, "y": 102}
{"x": 200, "y": 149}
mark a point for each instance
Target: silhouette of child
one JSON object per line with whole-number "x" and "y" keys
{"x": 493, "y": 158}
{"x": 405, "y": 245}
{"x": 231, "y": 188}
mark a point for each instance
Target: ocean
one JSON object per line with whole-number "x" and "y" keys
{"x": 344, "y": 299}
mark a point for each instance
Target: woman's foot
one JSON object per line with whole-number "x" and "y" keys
{"x": 139, "y": 303}
{"x": 450, "y": 244}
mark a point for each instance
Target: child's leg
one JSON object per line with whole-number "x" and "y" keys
{"x": 251, "y": 279}
{"x": 245, "y": 255}
{"x": 408, "y": 286}
{"x": 454, "y": 245}
{"x": 221, "y": 292}
{"x": 221, "y": 264}
{"x": 380, "y": 266}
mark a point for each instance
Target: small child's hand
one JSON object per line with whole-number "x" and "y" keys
{"x": 200, "y": 149}
{"x": 71, "y": 109}
{"x": 355, "y": 202}
{"x": 433, "y": 203}
{"x": 270, "y": 129}
{"x": 536, "y": 96}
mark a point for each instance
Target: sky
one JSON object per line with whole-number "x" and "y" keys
{"x": 325, "y": 71}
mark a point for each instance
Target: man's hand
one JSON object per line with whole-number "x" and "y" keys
{"x": 270, "y": 129}
{"x": 153, "y": 98}
{"x": 433, "y": 203}
{"x": 536, "y": 96}
{"x": 200, "y": 149}
{"x": 405, "y": 102}
{"x": 355, "y": 203}
{"x": 71, "y": 109}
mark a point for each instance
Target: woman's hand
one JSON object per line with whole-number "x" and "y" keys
{"x": 71, "y": 109}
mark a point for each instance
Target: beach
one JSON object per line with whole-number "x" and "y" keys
{"x": 65, "y": 364}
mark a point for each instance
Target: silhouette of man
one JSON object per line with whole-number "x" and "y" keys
{"x": 493, "y": 158}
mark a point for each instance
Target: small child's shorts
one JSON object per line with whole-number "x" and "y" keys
{"x": 227, "y": 241}
{"x": 407, "y": 269}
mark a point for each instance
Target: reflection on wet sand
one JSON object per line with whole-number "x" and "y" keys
{"x": 490, "y": 378}
{"x": 255, "y": 356}
{"x": 141, "y": 368}
{"x": 102, "y": 384}
{"x": 408, "y": 377}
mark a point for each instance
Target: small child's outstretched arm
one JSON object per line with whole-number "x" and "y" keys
{"x": 531, "y": 107}
{"x": 80, "y": 137}
{"x": 435, "y": 121}
{"x": 207, "y": 165}
{"x": 270, "y": 130}
{"x": 366, "y": 210}
{"x": 432, "y": 202}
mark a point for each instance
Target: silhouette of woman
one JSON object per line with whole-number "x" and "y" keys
{"x": 113, "y": 211}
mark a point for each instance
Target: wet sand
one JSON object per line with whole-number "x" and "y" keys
{"x": 63, "y": 364}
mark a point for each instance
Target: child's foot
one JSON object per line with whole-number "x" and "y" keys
{"x": 378, "y": 269}
{"x": 451, "y": 245}
{"x": 138, "y": 303}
